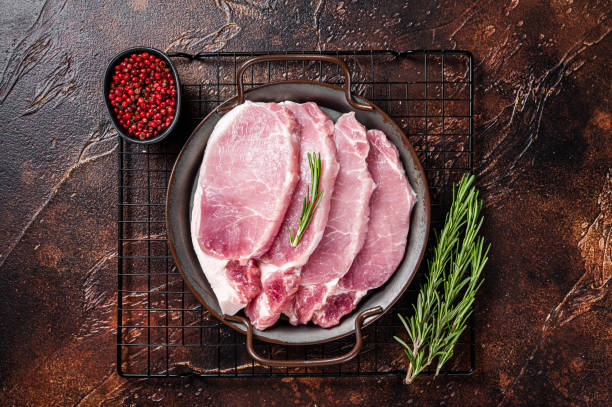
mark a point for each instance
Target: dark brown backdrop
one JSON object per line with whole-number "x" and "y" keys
{"x": 543, "y": 157}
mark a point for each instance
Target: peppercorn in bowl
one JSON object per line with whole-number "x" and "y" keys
{"x": 143, "y": 94}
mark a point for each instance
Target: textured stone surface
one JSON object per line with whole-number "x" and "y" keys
{"x": 543, "y": 158}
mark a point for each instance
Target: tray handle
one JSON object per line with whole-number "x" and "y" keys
{"x": 287, "y": 57}
{"x": 303, "y": 362}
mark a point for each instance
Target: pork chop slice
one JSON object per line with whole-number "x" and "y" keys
{"x": 386, "y": 238}
{"x": 248, "y": 175}
{"x": 281, "y": 265}
{"x": 346, "y": 227}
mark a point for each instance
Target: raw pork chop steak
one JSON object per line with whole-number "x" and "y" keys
{"x": 346, "y": 227}
{"x": 280, "y": 265}
{"x": 248, "y": 175}
{"x": 385, "y": 242}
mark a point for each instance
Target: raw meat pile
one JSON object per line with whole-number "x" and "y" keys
{"x": 250, "y": 192}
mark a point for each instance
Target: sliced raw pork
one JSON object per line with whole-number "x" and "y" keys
{"x": 387, "y": 233}
{"x": 346, "y": 227}
{"x": 248, "y": 175}
{"x": 280, "y": 266}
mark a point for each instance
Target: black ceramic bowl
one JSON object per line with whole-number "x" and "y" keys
{"x": 107, "y": 81}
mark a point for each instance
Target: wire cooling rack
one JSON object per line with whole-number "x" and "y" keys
{"x": 162, "y": 329}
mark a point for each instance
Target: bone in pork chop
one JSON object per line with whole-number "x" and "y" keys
{"x": 248, "y": 174}
{"x": 346, "y": 226}
{"x": 385, "y": 242}
{"x": 281, "y": 265}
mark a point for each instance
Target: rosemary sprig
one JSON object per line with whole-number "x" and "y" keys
{"x": 311, "y": 200}
{"x": 445, "y": 300}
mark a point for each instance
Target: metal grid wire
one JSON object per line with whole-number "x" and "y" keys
{"x": 162, "y": 329}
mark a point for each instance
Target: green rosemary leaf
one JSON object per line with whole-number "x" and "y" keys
{"x": 401, "y": 342}
{"x": 311, "y": 200}
{"x": 446, "y": 299}
{"x": 403, "y": 322}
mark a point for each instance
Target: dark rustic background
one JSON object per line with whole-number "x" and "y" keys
{"x": 543, "y": 158}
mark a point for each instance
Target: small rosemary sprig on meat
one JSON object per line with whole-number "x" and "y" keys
{"x": 445, "y": 300}
{"x": 311, "y": 200}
